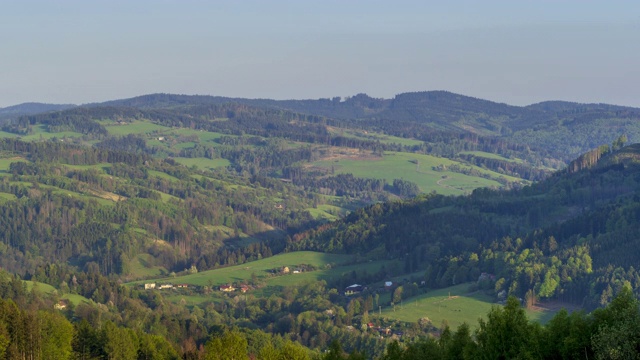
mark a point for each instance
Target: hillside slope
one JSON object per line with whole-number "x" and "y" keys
{"x": 572, "y": 236}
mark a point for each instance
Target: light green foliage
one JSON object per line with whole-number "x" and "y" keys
{"x": 268, "y": 352}
{"x": 57, "y": 334}
{"x": 506, "y": 334}
{"x": 155, "y": 347}
{"x": 293, "y": 351}
{"x": 230, "y": 346}
{"x": 618, "y": 328}
{"x": 548, "y": 287}
{"x": 120, "y": 343}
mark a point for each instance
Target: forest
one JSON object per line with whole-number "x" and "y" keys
{"x": 99, "y": 199}
{"x": 31, "y": 329}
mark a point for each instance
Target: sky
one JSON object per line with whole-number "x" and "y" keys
{"x": 517, "y": 51}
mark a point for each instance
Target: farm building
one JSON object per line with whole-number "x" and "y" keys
{"x": 353, "y": 289}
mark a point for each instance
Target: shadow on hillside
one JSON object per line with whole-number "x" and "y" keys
{"x": 264, "y": 236}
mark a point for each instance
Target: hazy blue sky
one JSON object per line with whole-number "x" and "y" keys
{"x": 518, "y": 52}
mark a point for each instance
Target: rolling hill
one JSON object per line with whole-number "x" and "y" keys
{"x": 206, "y": 190}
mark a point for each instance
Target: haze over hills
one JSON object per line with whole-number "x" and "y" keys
{"x": 31, "y": 108}
{"x": 556, "y": 130}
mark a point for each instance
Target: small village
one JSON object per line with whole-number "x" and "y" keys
{"x": 353, "y": 291}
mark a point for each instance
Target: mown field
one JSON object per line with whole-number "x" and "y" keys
{"x": 490, "y": 156}
{"x": 368, "y": 135}
{"x": 453, "y": 305}
{"x": 203, "y": 163}
{"x": 417, "y": 168}
{"x": 261, "y": 268}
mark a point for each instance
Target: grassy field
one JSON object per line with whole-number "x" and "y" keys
{"x": 203, "y": 163}
{"x": 319, "y": 213}
{"x": 142, "y": 266}
{"x": 490, "y": 156}
{"x": 40, "y": 132}
{"x": 136, "y": 127}
{"x": 100, "y": 166}
{"x": 367, "y": 135}
{"x": 4, "y": 134}
{"x": 275, "y": 284}
{"x": 6, "y": 197}
{"x": 261, "y": 268}
{"x": 454, "y": 305}
{"x": 48, "y": 289}
{"x": 328, "y": 212}
{"x": 5, "y": 162}
{"x": 163, "y": 175}
{"x": 417, "y": 168}
{"x": 204, "y": 136}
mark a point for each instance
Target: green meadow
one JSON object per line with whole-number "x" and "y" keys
{"x": 490, "y": 156}
{"x": 262, "y": 268}
{"x": 48, "y": 289}
{"x": 417, "y": 168}
{"x": 135, "y": 127}
{"x": 203, "y": 163}
{"x": 142, "y": 266}
{"x": 368, "y": 135}
{"x": 328, "y": 267}
{"x": 453, "y": 305}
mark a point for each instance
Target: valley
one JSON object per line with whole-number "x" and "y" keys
{"x": 184, "y": 217}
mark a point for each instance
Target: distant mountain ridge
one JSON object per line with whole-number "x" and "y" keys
{"x": 442, "y": 109}
{"x": 31, "y": 108}
{"x": 558, "y": 131}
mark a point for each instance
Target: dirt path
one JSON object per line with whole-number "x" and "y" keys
{"x": 439, "y": 182}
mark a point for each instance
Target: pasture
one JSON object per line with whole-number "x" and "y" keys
{"x": 368, "y": 135}
{"x": 417, "y": 168}
{"x": 41, "y": 132}
{"x": 203, "y": 163}
{"x": 50, "y": 290}
{"x": 135, "y": 127}
{"x": 142, "y": 266}
{"x": 454, "y": 305}
{"x": 490, "y": 156}
{"x": 261, "y": 268}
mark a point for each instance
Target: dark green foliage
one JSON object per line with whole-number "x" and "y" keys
{"x": 506, "y": 334}
{"x": 609, "y": 333}
{"x": 570, "y": 237}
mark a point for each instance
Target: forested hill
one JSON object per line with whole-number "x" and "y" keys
{"x": 556, "y": 129}
{"x": 30, "y": 108}
{"x": 571, "y": 237}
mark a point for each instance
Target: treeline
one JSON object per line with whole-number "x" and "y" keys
{"x": 29, "y": 328}
{"x": 129, "y": 321}
{"x": 53, "y": 152}
{"x": 609, "y": 333}
{"x": 506, "y": 167}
